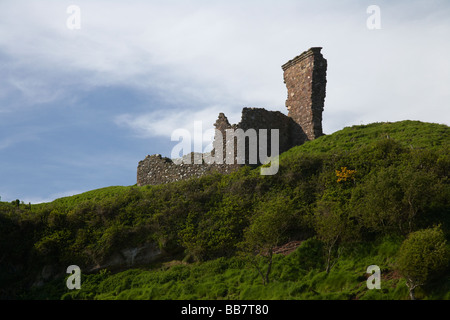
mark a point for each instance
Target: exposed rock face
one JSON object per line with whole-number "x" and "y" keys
{"x": 122, "y": 258}
{"x": 305, "y": 79}
{"x": 132, "y": 256}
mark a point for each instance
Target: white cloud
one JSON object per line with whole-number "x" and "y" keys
{"x": 33, "y": 91}
{"x": 163, "y": 123}
{"x": 230, "y": 53}
{"x": 194, "y": 59}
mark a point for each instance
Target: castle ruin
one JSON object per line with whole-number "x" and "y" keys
{"x": 305, "y": 79}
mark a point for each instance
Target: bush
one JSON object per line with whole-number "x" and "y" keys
{"x": 422, "y": 256}
{"x": 309, "y": 255}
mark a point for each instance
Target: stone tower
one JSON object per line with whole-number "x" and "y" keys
{"x": 305, "y": 79}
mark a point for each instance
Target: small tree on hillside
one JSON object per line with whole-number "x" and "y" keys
{"x": 333, "y": 227}
{"x": 267, "y": 230}
{"x": 422, "y": 256}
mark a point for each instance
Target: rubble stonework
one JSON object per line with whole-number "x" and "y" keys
{"x": 305, "y": 79}
{"x": 155, "y": 169}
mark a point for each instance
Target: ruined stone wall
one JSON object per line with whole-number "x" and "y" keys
{"x": 290, "y": 133}
{"x": 258, "y": 118}
{"x": 155, "y": 169}
{"x": 305, "y": 78}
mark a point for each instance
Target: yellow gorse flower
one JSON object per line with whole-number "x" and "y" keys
{"x": 345, "y": 174}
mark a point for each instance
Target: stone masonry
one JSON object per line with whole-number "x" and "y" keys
{"x": 290, "y": 133}
{"x": 155, "y": 169}
{"x": 305, "y": 79}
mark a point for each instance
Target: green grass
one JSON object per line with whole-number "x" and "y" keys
{"x": 93, "y": 195}
{"x": 205, "y": 220}
{"x": 412, "y": 134}
{"x": 232, "y": 280}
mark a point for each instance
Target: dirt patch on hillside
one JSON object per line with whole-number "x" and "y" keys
{"x": 287, "y": 248}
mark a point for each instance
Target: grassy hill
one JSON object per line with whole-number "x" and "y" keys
{"x": 412, "y": 134}
{"x": 351, "y": 199}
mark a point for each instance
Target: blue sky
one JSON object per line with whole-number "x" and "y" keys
{"x": 80, "y": 108}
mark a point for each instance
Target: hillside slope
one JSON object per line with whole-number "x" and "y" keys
{"x": 351, "y": 198}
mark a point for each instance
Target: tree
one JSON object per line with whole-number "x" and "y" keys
{"x": 422, "y": 256}
{"x": 377, "y": 202}
{"x": 267, "y": 229}
{"x": 398, "y": 199}
{"x": 16, "y": 202}
{"x": 421, "y": 190}
{"x": 333, "y": 227}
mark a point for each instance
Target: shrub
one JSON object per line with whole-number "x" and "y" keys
{"x": 309, "y": 255}
{"x": 422, "y": 256}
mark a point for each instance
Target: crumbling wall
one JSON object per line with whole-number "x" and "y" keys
{"x": 290, "y": 133}
{"x": 305, "y": 78}
{"x": 155, "y": 169}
